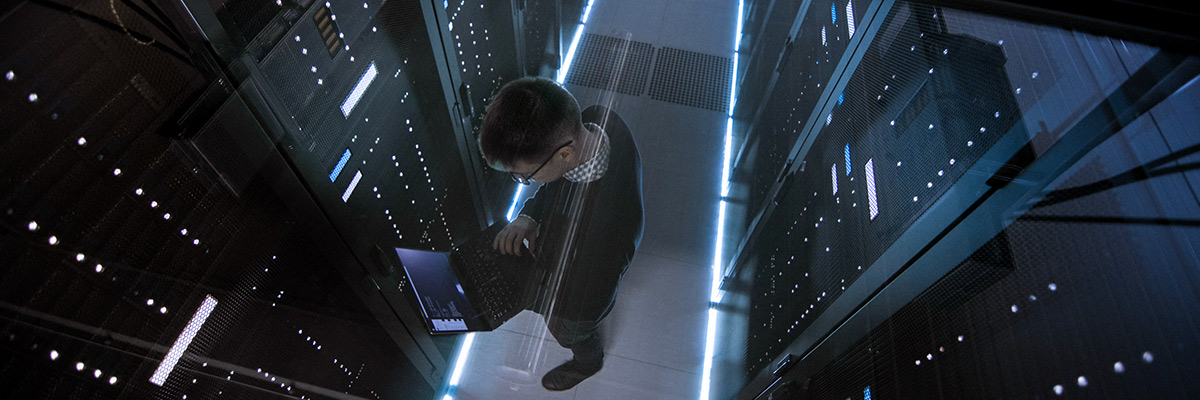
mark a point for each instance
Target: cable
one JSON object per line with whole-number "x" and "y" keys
{"x": 112, "y": 5}
{"x": 159, "y": 20}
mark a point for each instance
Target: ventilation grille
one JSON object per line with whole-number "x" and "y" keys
{"x": 598, "y": 57}
{"x": 692, "y": 79}
{"x": 328, "y": 27}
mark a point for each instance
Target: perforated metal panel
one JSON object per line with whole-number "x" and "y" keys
{"x": 1089, "y": 296}
{"x": 769, "y": 25}
{"x": 539, "y": 18}
{"x": 924, "y": 105}
{"x": 485, "y": 48}
{"x": 380, "y": 100}
{"x": 692, "y": 79}
{"x": 598, "y": 56}
{"x": 804, "y": 74}
{"x": 138, "y": 184}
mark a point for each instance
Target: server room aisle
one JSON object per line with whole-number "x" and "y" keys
{"x": 655, "y": 337}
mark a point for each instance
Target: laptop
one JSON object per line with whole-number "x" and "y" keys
{"x": 473, "y": 287}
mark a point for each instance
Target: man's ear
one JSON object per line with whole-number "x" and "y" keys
{"x": 567, "y": 153}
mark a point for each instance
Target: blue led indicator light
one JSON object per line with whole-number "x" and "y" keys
{"x": 833, "y": 12}
{"x": 841, "y": 98}
{"x": 867, "y": 393}
{"x": 341, "y": 164}
{"x": 847, "y": 159}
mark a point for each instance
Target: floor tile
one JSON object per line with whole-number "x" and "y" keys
{"x": 526, "y": 323}
{"x": 704, "y": 28}
{"x": 628, "y": 379}
{"x": 616, "y": 15}
{"x": 681, "y": 213}
{"x": 508, "y": 365}
{"x": 661, "y": 314}
{"x": 681, "y": 138}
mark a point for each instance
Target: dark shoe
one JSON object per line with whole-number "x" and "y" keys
{"x": 568, "y": 375}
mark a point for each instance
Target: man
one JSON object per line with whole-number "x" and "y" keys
{"x": 586, "y": 219}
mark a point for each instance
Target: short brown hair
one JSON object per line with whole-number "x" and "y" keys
{"x": 526, "y": 120}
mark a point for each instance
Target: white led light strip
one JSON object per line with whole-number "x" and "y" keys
{"x": 516, "y": 198}
{"x": 850, "y": 17}
{"x": 353, "y": 184}
{"x": 359, "y": 89}
{"x": 465, "y": 350}
{"x": 183, "y": 341}
{"x": 562, "y": 73}
{"x": 462, "y": 359}
{"x": 834, "y": 171}
{"x": 873, "y": 203}
{"x": 715, "y": 293}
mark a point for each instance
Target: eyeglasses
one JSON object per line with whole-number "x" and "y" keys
{"x": 527, "y": 179}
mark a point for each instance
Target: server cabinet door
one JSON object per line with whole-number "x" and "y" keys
{"x": 199, "y": 209}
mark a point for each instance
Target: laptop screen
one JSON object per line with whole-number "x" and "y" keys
{"x": 438, "y": 290}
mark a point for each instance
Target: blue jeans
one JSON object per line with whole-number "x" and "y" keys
{"x": 581, "y": 337}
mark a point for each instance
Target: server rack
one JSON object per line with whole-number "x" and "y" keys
{"x": 264, "y": 155}
{"x": 824, "y": 284}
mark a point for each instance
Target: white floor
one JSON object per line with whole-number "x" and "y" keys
{"x": 655, "y": 336}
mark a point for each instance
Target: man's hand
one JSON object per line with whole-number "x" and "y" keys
{"x": 509, "y": 240}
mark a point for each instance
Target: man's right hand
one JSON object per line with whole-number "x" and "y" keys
{"x": 510, "y": 239}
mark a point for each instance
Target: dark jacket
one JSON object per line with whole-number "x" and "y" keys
{"x": 608, "y": 228}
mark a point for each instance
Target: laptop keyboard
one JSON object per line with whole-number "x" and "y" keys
{"x": 491, "y": 274}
